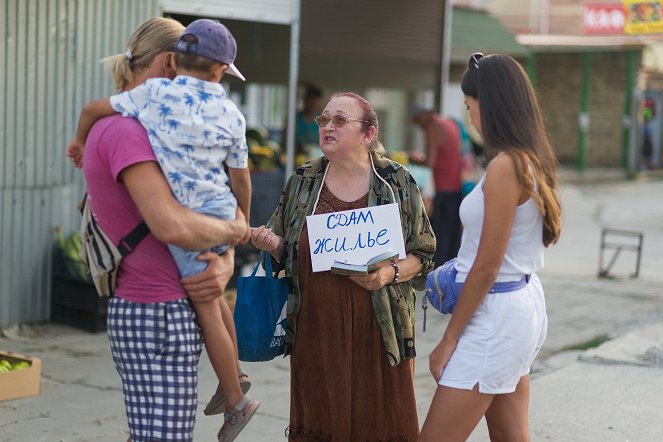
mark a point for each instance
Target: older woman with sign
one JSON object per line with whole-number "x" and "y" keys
{"x": 351, "y": 338}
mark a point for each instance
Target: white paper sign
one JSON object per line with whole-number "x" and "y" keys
{"x": 354, "y": 236}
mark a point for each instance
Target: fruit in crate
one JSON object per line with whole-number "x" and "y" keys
{"x": 264, "y": 153}
{"x": 20, "y": 365}
{"x": 6, "y": 366}
{"x": 262, "y": 157}
{"x": 256, "y": 136}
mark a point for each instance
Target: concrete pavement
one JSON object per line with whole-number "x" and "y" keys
{"x": 608, "y": 393}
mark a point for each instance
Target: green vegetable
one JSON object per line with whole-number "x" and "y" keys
{"x": 71, "y": 247}
{"x": 20, "y": 365}
{"x": 6, "y": 366}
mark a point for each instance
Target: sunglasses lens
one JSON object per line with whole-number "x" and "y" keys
{"x": 339, "y": 120}
{"x": 322, "y": 120}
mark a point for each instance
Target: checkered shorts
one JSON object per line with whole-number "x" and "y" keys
{"x": 156, "y": 348}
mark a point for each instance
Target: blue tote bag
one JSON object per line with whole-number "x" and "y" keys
{"x": 260, "y": 314}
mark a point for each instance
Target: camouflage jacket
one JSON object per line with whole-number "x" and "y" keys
{"x": 393, "y": 305}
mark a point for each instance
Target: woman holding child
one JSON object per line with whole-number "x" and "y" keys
{"x": 351, "y": 339}
{"x": 153, "y": 331}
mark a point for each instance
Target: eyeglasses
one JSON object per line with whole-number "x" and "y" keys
{"x": 337, "y": 120}
{"x": 474, "y": 60}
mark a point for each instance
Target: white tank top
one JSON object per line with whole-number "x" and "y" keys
{"x": 524, "y": 253}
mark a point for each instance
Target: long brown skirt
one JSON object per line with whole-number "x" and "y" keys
{"x": 342, "y": 386}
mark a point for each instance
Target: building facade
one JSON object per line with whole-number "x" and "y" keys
{"x": 587, "y": 84}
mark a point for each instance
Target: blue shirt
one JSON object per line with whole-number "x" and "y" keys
{"x": 306, "y": 132}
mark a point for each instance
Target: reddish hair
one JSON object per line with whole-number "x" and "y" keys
{"x": 367, "y": 113}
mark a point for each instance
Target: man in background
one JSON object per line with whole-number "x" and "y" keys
{"x": 443, "y": 156}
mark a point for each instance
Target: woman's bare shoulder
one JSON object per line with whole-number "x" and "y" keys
{"x": 501, "y": 165}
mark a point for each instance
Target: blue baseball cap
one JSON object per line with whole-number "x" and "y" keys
{"x": 214, "y": 41}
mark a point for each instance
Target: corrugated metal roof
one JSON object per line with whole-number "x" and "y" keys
{"x": 475, "y": 30}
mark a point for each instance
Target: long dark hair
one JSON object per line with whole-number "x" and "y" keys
{"x": 511, "y": 121}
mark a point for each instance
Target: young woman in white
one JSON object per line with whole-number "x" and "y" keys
{"x": 483, "y": 361}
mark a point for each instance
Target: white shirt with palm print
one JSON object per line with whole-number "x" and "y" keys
{"x": 194, "y": 128}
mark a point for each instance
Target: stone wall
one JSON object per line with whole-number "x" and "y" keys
{"x": 559, "y": 85}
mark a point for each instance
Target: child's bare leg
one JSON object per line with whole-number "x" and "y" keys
{"x": 218, "y": 403}
{"x": 229, "y": 322}
{"x": 220, "y": 348}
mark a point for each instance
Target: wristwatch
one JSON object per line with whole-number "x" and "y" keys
{"x": 396, "y": 273}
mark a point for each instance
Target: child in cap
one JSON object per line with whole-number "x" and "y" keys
{"x": 194, "y": 127}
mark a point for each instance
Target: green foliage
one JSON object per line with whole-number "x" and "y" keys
{"x": 70, "y": 248}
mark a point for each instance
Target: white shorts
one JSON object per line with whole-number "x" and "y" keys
{"x": 500, "y": 342}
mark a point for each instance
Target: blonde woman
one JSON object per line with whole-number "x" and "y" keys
{"x": 155, "y": 340}
{"x": 482, "y": 363}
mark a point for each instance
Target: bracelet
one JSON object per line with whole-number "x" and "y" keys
{"x": 396, "y": 273}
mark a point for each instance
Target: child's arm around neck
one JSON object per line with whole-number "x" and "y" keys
{"x": 92, "y": 111}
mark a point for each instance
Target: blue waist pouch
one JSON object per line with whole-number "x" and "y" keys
{"x": 442, "y": 290}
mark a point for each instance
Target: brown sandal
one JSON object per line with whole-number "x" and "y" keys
{"x": 217, "y": 404}
{"x": 237, "y": 420}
